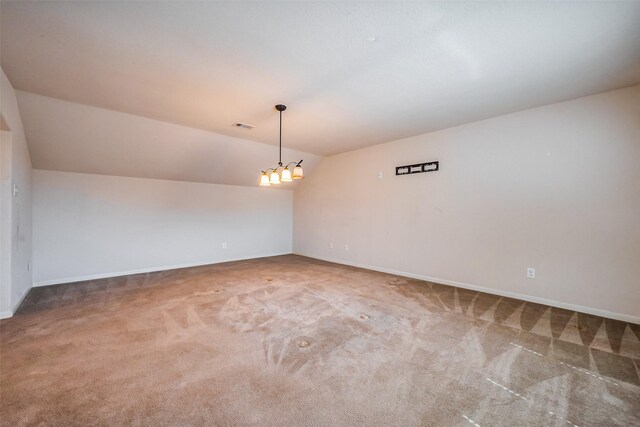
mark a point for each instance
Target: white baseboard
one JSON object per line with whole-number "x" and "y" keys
{"x": 62, "y": 280}
{"x": 588, "y": 310}
{"x": 9, "y": 313}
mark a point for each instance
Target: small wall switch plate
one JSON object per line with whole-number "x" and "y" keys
{"x": 224, "y": 245}
{"x": 29, "y": 266}
{"x": 531, "y": 273}
{"x": 379, "y": 175}
{"x": 15, "y": 190}
{"x": 330, "y": 245}
{"x": 346, "y": 247}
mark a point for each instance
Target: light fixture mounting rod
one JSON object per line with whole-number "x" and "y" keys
{"x": 280, "y": 108}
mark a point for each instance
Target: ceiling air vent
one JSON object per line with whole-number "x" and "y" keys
{"x": 243, "y": 125}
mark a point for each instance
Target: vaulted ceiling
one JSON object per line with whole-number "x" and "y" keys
{"x": 353, "y": 74}
{"x": 71, "y": 137}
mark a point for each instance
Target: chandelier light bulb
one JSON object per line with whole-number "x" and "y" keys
{"x": 264, "y": 180}
{"x": 286, "y": 175}
{"x": 275, "y": 178}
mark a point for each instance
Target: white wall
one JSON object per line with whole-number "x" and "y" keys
{"x": 556, "y": 188}
{"x": 5, "y": 223}
{"x": 89, "y": 226}
{"x": 19, "y": 207}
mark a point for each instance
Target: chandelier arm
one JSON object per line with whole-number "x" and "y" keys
{"x": 292, "y": 163}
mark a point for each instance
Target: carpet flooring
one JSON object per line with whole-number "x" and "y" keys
{"x": 295, "y": 341}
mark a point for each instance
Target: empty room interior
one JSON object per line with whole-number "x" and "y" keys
{"x": 320, "y": 213}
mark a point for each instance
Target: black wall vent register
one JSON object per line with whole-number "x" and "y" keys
{"x": 417, "y": 168}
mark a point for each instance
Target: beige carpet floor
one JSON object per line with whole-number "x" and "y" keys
{"x": 295, "y": 341}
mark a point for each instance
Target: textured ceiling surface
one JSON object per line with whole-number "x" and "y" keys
{"x": 353, "y": 74}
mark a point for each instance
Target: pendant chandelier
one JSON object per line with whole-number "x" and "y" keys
{"x": 281, "y": 173}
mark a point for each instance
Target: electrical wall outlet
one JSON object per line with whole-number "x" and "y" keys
{"x": 224, "y": 245}
{"x": 380, "y": 175}
{"x": 346, "y": 247}
{"x": 330, "y": 245}
{"x": 531, "y": 273}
